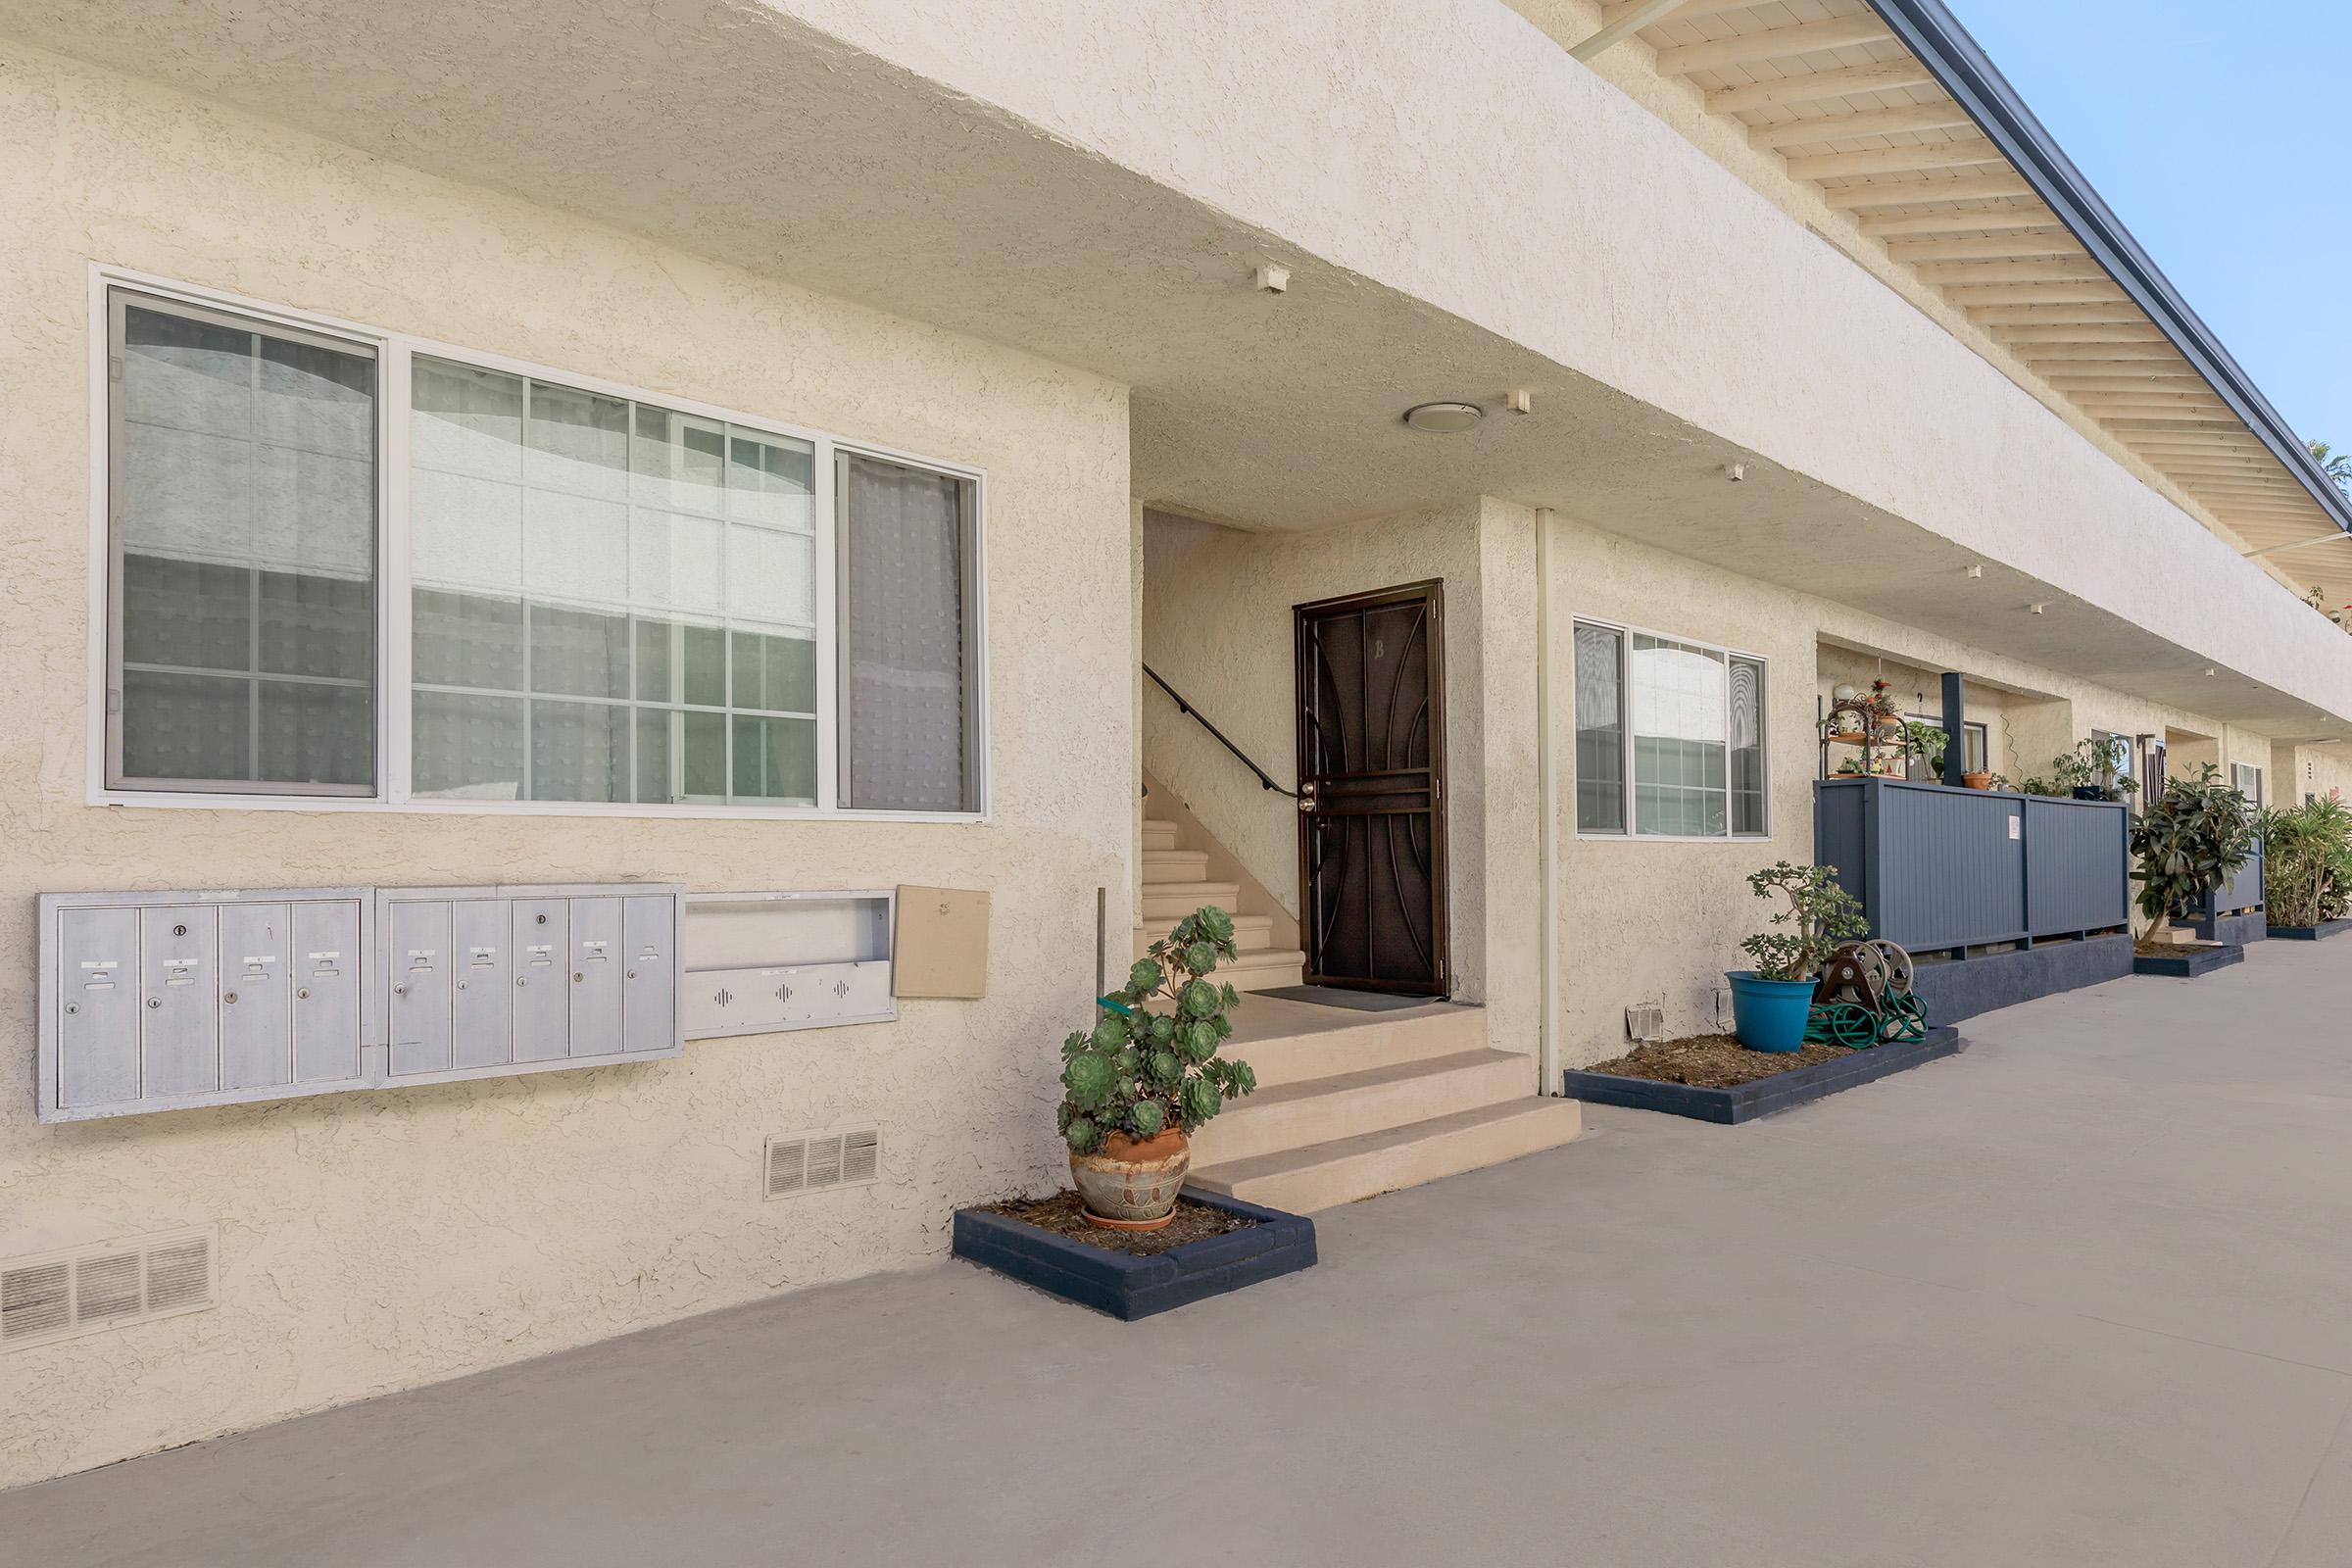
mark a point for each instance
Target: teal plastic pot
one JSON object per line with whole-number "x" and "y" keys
{"x": 1770, "y": 1015}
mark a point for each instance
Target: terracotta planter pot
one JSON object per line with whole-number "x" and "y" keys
{"x": 1977, "y": 781}
{"x": 1129, "y": 1186}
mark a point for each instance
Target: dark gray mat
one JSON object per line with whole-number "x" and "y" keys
{"x": 1333, "y": 997}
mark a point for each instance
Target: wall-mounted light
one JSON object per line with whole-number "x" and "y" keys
{"x": 1444, "y": 418}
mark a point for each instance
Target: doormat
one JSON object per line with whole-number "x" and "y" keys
{"x": 1333, "y": 997}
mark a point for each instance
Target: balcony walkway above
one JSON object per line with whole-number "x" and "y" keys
{"x": 2075, "y": 1297}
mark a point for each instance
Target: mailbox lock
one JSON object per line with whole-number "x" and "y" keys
{"x": 155, "y": 1002}
{"x": 303, "y": 994}
{"x": 400, "y": 991}
{"x": 632, "y": 974}
{"x": 460, "y": 985}
{"x": 72, "y": 1008}
{"x": 230, "y": 997}
{"x": 543, "y": 920}
{"x": 523, "y": 979}
{"x": 179, "y": 930}
{"x": 578, "y": 978}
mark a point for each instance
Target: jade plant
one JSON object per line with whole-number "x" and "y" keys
{"x": 1140, "y": 1072}
{"x": 1821, "y": 917}
{"x": 2191, "y": 837}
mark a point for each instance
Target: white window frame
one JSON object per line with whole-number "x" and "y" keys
{"x": 392, "y": 791}
{"x": 1630, "y": 833}
{"x": 2255, "y": 771}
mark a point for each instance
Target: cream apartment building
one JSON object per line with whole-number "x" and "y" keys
{"x": 760, "y": 447}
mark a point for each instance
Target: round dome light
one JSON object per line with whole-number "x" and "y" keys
{"x": 1444, "y": 418}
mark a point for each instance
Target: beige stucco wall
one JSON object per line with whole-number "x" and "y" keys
{"x": 373, "y": 1241}
{"x": 1217, "y": 623}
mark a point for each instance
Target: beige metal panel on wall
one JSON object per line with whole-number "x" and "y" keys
{"x": 942, "y": 948}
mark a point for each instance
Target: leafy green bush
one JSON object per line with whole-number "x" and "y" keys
{"x": 1824, "y": 914}
{"x": 2190, "y": 840}
{"x": 1140, "y": 1072}
{"x": 2307, "y": 871}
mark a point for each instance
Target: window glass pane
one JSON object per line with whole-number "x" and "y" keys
{"x": 1679, "y": 738}
{"x": 601, "y": 524}
{"x": 1600, "y": 730}
{"x": 244, "y": 523}
{"x": 775, "y": 759}
{"x": 903, "y": 639}
{"x": 1747, "y": 741}
{"x": 467, "y": 748}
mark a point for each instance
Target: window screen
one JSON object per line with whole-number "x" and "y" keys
{"x": 905, "y": 638}
{"x": 614, "y": 600}
{"x": 242, "y": 521}
{"x": 1746, "y": 729}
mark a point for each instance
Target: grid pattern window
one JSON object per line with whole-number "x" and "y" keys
{"x": 1685, "y": 726}
{"x": 596, "y": 600}
{"x": 1975, "y": 742}
{"x": 242, "y": 553}
{"x": 2247, "y": 780}
{"x": 612, "y": 601}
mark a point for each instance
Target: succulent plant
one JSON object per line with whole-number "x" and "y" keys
{"x": 1139, "y": 1073}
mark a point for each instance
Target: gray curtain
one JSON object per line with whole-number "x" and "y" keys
{"x": 904, "y": 637}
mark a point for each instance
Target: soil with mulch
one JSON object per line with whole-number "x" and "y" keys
{"x": 1713, "y": 1061}
{"x": 2143, "y": 948}
{"x": 1064, "y": 1215}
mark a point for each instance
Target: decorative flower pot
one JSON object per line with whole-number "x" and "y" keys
{"x": 1127, "y": 1186}
{"x": 1977, "y": 781}
{"x": 1770, "y": 1015}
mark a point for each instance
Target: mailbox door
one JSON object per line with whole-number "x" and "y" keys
{"x": 597, "y": 963}
{"x": 180, "y": 1019}
{"x": 485, "y": 1006}
{"x": 98, "y": 1006}
{"x": 417, "y": 976}
{"x": 650, "y": 983}
{"x": 325, "y": 970}
{"x": 542, "y": 1013}
{"x": 256, "y": 1015}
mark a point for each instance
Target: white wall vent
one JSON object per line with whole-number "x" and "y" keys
{"x": 57, "y": 1295}
{"x": 807, "y": 1161}
{"x": 1645, "y": 1021}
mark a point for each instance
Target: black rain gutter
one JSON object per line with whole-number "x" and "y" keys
{"x": 1937, "y": 41}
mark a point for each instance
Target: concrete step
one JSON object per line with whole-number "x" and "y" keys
{"x": 1264, "y": 968}
{"x": 1347, "y": 1105}
{"x": 1159, "y": 835}
{"x": 1300, "y": 1181}
{"x": 1287, "y": 1042}
{"x": 1249, "y": 931}
{"x": 1171, "y": 901}
{"x": 1174, "y": 865}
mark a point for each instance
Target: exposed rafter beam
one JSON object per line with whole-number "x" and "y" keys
{"x": 1779, "y": 43}
{"x": 1921, "y": 192}
{"x": 2078, "y": 332}
{"x": 1626, "y": 19}
{"x": 1966, "y": 220}
{"x": 2070, "y": 383}
{"x": 2332, "y": 537}
{"x": 2135, "y": 415}
{"x": 1971, "y": 295}
{"x": 1863, "y": 122}
{"x": 2105, "y": 353}
{"x": 1822, "y": 87}
{"x": 2055, "y": 270}
{"x": 2109, "y": 314}
{"x": 1987, "y": 247}
{"x": 1970, "y": 154}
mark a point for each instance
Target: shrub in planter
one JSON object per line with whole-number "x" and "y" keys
{"x": 1772, "y": 1001}
{"x": 2089, "y": 772}
{"x": 2307, "y": 870}
{"x": 1140, "y": 1081}
{"x": 2192, "y": 838}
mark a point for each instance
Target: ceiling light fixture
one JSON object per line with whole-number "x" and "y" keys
{"x": 1444, "y": 418}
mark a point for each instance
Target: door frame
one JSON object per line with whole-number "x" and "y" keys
{"x": 1430, "y": 592}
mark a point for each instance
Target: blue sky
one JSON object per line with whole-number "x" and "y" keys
{"x": 2219, "y": 135}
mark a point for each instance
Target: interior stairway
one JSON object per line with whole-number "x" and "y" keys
{"x": 1348, "y": 1103}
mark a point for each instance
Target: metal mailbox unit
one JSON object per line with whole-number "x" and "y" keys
{"x": 165, "y": 1000}
{"x": 766, "y": 963}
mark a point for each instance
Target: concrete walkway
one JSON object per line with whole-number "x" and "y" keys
{"x": 2083, "y": 1295}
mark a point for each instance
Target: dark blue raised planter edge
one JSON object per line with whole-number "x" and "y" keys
{"x": 2240, "y": 929}
{"x": 2189, "y": 965}
{"x": 1730, "y": 1106}
{"x": 1128, "y": 1287}
{"x": 2311, "y": 933}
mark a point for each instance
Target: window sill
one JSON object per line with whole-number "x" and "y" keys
{"x": 556, "y": 809}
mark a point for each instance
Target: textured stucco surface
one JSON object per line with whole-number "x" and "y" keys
{"x": 376, "y": 1241}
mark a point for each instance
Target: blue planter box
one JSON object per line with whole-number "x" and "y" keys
{"x": 2311, "y": 933}
{"x": 2189, "y": 965}
{"x": 1129, "y": 1287}
{"x": 1731, "y": 1107}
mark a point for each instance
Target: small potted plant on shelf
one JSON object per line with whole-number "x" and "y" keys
{"x": 2193, "y": 837}
{"x": 1772, "y": 1003}
{"x": 1142, "y": 1081}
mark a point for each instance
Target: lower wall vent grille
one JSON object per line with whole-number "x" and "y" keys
{"x": 1645, "y": 1021}
{"x": 58, "y": 1294}
{"x": 807, "y": 1161}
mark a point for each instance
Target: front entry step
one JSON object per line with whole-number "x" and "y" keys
{"x": 1342, "y": 1170}
{"x": 1316, "y": 1110}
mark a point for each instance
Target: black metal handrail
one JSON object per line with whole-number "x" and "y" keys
{"x": 1201, "y": 719}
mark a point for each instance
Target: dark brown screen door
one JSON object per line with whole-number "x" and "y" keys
{"x": 1372, "y": 790}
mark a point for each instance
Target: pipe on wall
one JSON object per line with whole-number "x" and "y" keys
{"x": 1547, "y": 806}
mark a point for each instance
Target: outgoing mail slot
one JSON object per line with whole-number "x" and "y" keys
{"x": 540, "y": 946}
{"x": 98, "y": 1006}
{"x": 179, "y": 1041}
{"x": 257, "y": 1024}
